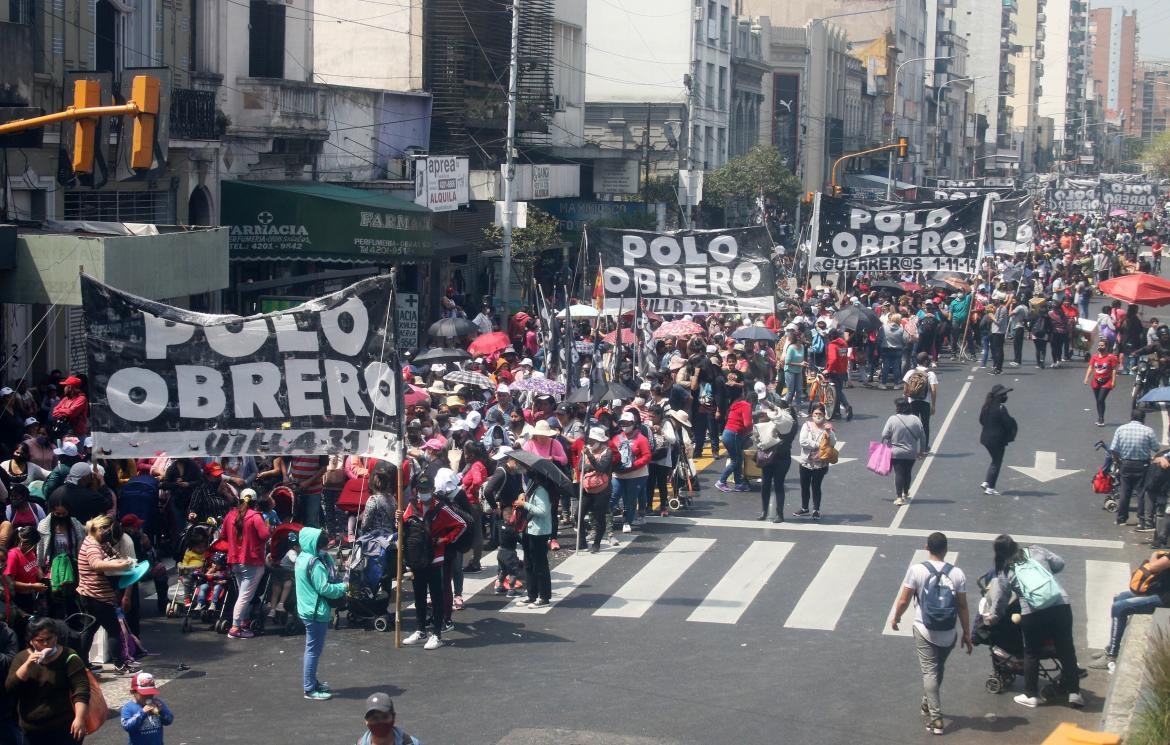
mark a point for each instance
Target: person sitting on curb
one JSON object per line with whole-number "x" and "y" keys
{"x": 1149, "y": 589}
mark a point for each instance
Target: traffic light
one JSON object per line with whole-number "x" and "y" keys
{"x": 144, "y": 94}
{"x": 903, "y": 147}
{"x": 808, "y": 197}
{"x": 86, "y": 94}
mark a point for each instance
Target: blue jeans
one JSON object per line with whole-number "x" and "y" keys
{"x": 986, "y": 349}
{"x": 629, "y": 491}
{"x": 309, "y": 507}
{"x": 794, "y": 385}
{"x": 1125, "y": 604}
{"x": 314, "y": 645}
{"x": 734, "y": 446}
{"x": 891, "y": 365}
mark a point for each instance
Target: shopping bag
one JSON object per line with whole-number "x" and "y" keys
{"x": 879, "y": 458}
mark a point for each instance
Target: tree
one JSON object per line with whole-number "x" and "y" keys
{"x": 1156, "y": 155}
{"x": 527, "y": 243}
{"x": 746, "y": 177}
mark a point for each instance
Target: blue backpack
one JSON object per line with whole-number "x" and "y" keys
{"x": 818, "y": 343}
{"x": 937, "y": 601}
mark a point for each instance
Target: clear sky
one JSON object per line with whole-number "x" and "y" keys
{"x": 1153, "y": 25}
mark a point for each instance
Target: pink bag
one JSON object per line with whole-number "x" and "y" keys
{"x": 879, "y": 458}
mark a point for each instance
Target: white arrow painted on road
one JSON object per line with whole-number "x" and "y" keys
{"x": 1045, "y": 469}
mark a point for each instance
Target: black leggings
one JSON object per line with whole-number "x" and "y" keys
{"x": 902, "y": 468}
{"x": 1101, "y": 394}
{"x": 996, "y": 453}
{"x": 596, "y": 505}
{"x": 106, "y": 617}
{"x": 429, "y": 579}
{"x": 536, "y": 567}
{"x": 810, "y": 485}
{"x": 1055, "y": 623}
{"x": 659, "y": 477}
{"x": 774, "y": 474}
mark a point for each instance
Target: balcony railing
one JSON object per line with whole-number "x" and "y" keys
{"x": 193, "y": 115}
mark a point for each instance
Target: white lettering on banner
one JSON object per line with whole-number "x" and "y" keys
{"x": 407, "y": 321}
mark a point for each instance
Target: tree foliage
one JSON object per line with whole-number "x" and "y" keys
{"x": 1157, "y": 154}
{"x": 745, "y": 177}
{"x": 527, "y": 243}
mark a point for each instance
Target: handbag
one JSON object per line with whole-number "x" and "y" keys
{"x": 880, "y": 456}
{"x": 826, "y": 452}
{"x": 767, "y": 457}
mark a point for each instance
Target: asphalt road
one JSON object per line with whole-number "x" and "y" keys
{"x": 711, "y": 627}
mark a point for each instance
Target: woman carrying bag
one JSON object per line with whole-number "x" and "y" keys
{"x": 774, "y": 432}
{"x": 596, "y": 485}
{"x": 818, "y": 444}
{"x": 904, "y": 436}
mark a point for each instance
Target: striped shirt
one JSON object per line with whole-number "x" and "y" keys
{"x": 91, "y": 583}
{"x": 301, "y": 468}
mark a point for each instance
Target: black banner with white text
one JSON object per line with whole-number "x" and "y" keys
{"x": 1012, "y": 223}
{"x": 1134, "y": 196}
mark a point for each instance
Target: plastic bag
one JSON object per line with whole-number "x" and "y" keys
{"x": 879, "y": 458}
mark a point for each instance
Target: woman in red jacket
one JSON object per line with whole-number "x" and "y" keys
{"x": 838, "y": 370}
{"x": 735, "y": 433}
{"x": 246, "y": 532}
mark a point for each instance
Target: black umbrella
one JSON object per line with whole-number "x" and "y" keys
{"x": 544, "y": 467}
{"x": 857, "y": 318}
{"x": 888, "y": 284}
{"x": 440, "y": 356}
{"x": 754, "y": 333}
{"x": 450, "y": 328}
{"x": 937, "y": 283}
{"x": 600, "y": 393}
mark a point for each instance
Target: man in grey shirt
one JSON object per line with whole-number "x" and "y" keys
{"x": 999, "y": 327}
{"x": 1018, "y": 328}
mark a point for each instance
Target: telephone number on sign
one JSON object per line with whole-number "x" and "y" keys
{"x": 895, "y": 264}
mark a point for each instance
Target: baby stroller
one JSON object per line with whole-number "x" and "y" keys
{"x": 223, "y": 623}
{"x": 683, "y": 485}
{"x": 370, "y": 573}
{"x": 1105, "y": 481}
{"x": 199, "y": 534}
{"x": 1005, "y": 641}
{"x": 279, "y": 542}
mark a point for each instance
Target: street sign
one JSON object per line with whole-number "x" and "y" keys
{"x": 541, "y": 181}
{"x": 407, "y": 307}
{"x": 616, "y": 176}
{"x": 440, "y": 182}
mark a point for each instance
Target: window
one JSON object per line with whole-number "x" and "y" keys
{"x": 120, "y": 206}
{"x": 724, "y": 29}
{"x": 137, "y": 40}
{"x": 722, "y": 88}
{"x": 712, "y": 15}
{"x": 570, "y": 66}
{"x": 709, "y": 92}
{"x": 266, "y": 40}
{"x": 708, "y": 141}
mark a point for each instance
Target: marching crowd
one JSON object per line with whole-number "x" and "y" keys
{"x": 509, "y": 447}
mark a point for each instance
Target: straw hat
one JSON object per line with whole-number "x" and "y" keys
{"x": 437, "y": 388}
{"x": 542, "y": 428}
{"x": 455, "y": 401}
{"x": 680, "y": 416}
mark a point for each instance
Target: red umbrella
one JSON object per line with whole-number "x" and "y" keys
{"x": 649, "y": 314}
{"x": 627, "y": 337}
{"x": 1138, "y": 288}
{"x": 677, "y": 328}
{"x": 957, "y": 283}
{"x": 910, "y": 286}
{"x": 415, "y": 395}
{"x": 488, "y": 343}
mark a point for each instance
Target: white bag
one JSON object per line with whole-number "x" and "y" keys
{"x": 99, "y": 651}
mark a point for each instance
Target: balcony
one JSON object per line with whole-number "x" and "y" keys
{"x": 277, "y": 106}
{"x": 193, "y": 115}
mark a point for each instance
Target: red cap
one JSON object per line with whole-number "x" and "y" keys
{"x": 213, "y": 469}
{"x": 71, "y": 380}
{"x": 145, "y": 684}
{"x": 132, "y": 521}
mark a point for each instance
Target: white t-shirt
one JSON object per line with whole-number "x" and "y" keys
{"x": 916, "y": 578}
{"x": 931, "y": 381}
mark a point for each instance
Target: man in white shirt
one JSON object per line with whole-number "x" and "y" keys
{"x": 922, "y": 405}
{"x": 940, "y": 592}
{"x": 483, "y": 321}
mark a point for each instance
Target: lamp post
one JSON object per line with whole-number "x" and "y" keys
{"x": 894, "y": 90}
{"x": 938, "y": 109}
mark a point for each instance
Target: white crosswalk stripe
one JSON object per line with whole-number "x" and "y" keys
{"x": 824, "y": 600}
{"x": 572, "y": 573}
{"x": 728, "y": 600}
{"x": 905, "y": 628}
{"x": 635, "y": 597}
{"x": 1103, "y": 580}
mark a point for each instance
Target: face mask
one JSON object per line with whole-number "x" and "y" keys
{"x": 425, "y": 496}
{"x": 43, "y": 440}
{"x": 428, "y": 431}
{"x": 49, "y": 652}
{"x": 380, "y": 729}
{"x": 627, "y": 427}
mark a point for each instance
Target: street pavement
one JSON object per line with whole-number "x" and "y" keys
{"x": 711, "y": 627}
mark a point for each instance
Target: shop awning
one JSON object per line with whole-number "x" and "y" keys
{"x": 313, "y": 221}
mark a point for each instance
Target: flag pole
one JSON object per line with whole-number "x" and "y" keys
{"x": 399, "y": 406}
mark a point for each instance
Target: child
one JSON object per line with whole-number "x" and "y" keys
{"x": 191, "y": 566}
{"x": 268, "y": 511}
{"x": 144, "y": 717}
{"x": 282, "y": 575}
{"x": 507, "y": 580}
{"x": 214, "y": 585}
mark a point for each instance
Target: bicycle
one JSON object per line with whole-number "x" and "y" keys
{"x": 820, "y": 391}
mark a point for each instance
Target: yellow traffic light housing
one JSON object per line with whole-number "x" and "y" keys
{"x": 87, "y": 94}
{"x": 144, "y": 94}
{"x": 808, "y": 197}
{"x": 903, "y": 147}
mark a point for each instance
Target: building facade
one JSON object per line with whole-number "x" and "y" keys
{"x": 1064, "y": 79}
{"x": 1113, "y": 39}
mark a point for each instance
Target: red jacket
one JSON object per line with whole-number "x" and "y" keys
{"x": 76, "y": 410}
{"x": 640, "y": 447}
{"x": 838, "y": 359}
{"x": 247, "y": 547}
{"x": 739, "y": 418}
{"x": 446, "y": 525}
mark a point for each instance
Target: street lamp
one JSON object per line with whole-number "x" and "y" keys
{"x": 938, "y": 108}
{"x": 894, "y": 91}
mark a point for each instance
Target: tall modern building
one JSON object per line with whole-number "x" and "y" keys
{"x": 1027, "y": 57}
{"x": 1154, "y": 96}
{"x": 1064, "y": 33}
{"x": 990, "y": 38}
{"x": 1113, "y": 36}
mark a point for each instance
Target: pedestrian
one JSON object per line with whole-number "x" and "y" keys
{"x": 999, "y": 430}
{"x": 381, "y": 728}
{"x": 939, "y": 590}
{"x": 596, "y": 485}
{"x": 1040, "y": 326}
{"x": 50, "y": 688}
{"x": 815, "y": 434}
{"x": 316, "y": 585}
{"x": 145, "y": 714}
{"x": 736, "y": 431}
{"x": 1045, "y": 614}
{"x": 838, "y": 371}
{"x": 891, "y": 340}
{"x": 537, "y": 501}
{"x": 920, "y": 386}
{"x": 794, "y": 366}
{"x": 774, "y": 432}
{"x": 1153, "y": 592}
{"x": 1132, "y": 447}
{"x": 1018, "y": 328}
{"x": 630, "y": 468}
{"x": 429, "y": 528}
{"x": 998, "y": 313}
{"x": 666, "y": 441}
{"x": 906, "y": 439}
{"x": 1101, "y": 377}
{"x": 98, "y": 555}
{"x": 245, "y": 532}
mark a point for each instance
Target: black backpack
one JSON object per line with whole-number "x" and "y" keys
{"x": 418, "y": 548}
{"x": 927, "y": 324}
{"x": 466, "y": 538}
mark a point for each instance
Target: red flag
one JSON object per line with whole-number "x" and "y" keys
{"x": 598, "y": 294}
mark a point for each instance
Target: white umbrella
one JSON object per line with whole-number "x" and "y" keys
{"x": 580, "y": 311}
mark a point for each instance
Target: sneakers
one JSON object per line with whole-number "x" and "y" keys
{"x": 473, "y": 567}
{"x": 613, "y": 541}
{"x": 741, "y": 488}
{"x": 502, "y": 587}
{"x": 899, "y": 501}
{"x": 413, "y": 639}
{"x": 1144, "y": 528}
{"x": 237, "y": 633}
{"x": 626, "y": 528}
{"x": 433, "y": 642}
{"x": 449, "y": 625}
{"x": 324, "y": 687}
{"x": 722, "y": 486}
{"x": 935, "y": 726}
{"x": 318, "y": 695}
{"x": 1104, "y": 662}
{"x": 664, "y": 513}
{"x": 985, "y": 485}
{"x": 801, "y": 512}
{"x": 816, "y": 514}
{"x": 1076, "y": 700}
{"x": 594, "y": 549}
{"x": 992, "y": 492}
{"x": 129, "y": 667}
{"x": 457, "y": 602}
{"x": 1025, "y": 700}
{"x": 538, "y": 603}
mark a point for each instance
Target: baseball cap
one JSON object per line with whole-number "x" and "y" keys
{"x": 526, "y": 362}
{"x": 248, "y": 494}
{"x": 760, "y": 389}
{"x": 145, "y": 684}
{"x": 379, "y": 702}
{"x": 71, "y": 380}
{"x": 628, "y": 416}
{"x": 67, "y": 449}
{"x": 5, "y": 391}
{"x": 213, "y": 469}
{"x": 501, "y": 388}
{"x": 31, "y": 421}
{"x": 433, "y": 444}
{"x": 712, "y": 349}
{"x": 132, "y": 521}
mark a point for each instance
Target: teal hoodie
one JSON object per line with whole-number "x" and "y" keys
{"x": 313, "y": 586}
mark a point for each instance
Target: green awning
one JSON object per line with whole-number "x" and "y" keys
{"x": 314, "y": 221}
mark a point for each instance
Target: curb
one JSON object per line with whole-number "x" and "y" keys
{"x": 1125, "y": 685}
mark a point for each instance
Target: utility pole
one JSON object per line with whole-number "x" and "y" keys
{"x": 646, "y": 154}
{"x": 510, "y": 167}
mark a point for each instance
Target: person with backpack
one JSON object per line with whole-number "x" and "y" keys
{"x": 998, "y": 431}
{"x": 920, "y": 386}
{"x": 449, "y": 492}
{"x": 940, "y": 593}
{"x": 429, "y": 527}
{"x": 906, "y": 439}
{"x": 1149, "y": 589}
{"x": 929, "y": 321}
{"x": 773, "y": 433}
{"x": 316, "y": 586}
{"x": 735, "y": 434}
{"x": 1040, "y": 326}
{"x": 1045, "y": 614}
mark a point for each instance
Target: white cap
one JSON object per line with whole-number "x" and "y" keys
{"x": 473, "y": 419}
{"x": 526, "y": 361}
{"x": 597, "y": 434}
{"x": 645, "y": 386}
{"x": 712, "y": 349}
{"x": 502, "y": 452}
{"x": 88, "y": 442}
{"x": 628, "y": 416}
{"x": 639, "y": 401}
{"x": 458, "y": 425}
{"x": 68, "y": 449}
{"x": 760, "y": 389}
{"x": 31, "y": 421}
{"x": 503, "y": 388}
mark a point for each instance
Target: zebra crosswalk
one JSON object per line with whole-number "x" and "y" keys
{"x": 697, "y": 579}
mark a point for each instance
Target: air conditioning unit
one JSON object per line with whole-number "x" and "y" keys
{"x": 712, "y": 28}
